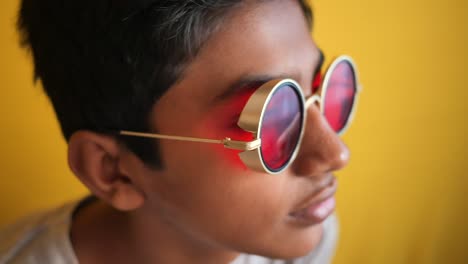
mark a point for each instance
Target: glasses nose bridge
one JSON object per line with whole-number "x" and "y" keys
{"x": 311, "y": 100}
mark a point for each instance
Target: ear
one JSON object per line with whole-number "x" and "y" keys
{"x": 96, "y": 160}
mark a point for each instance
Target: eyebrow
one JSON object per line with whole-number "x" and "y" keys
{"x": 250, "y": 81}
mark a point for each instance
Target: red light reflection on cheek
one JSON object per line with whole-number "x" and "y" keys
{"x": 221, "y": 122}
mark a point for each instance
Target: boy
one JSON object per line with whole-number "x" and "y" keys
{"x": 142, "y": 90}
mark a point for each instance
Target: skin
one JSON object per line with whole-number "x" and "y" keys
{"x": 205, "y": 206}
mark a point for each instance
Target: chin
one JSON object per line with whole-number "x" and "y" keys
{"x": 295, "y": 245}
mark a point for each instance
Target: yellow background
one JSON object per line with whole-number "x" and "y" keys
{"x": 403, "y": 197}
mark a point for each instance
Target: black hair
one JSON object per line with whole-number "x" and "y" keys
{"x": 104, "y": 63}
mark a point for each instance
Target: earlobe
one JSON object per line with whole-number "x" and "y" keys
{"x": 94, "y": 159}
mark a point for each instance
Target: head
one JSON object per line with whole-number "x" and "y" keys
{"x": 173, "y": 67}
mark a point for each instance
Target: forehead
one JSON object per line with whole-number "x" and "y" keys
{"x": 260, "y": 38}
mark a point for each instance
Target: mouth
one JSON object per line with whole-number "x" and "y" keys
{"x": 318, "y": 206}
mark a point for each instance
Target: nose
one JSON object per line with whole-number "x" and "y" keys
{"x": 322, "y": 150}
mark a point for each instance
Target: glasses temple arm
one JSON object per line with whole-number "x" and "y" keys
{"x": 227, "y": 142}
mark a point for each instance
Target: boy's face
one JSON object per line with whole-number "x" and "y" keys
{"x": 204, "y": 191}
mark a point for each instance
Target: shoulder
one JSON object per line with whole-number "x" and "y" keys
{"x": 39, "y": 238}
{"x": 323, "y": 254}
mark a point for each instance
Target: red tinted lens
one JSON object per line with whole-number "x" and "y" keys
{"x": 281, "y": 127}
{"x": 340, "y": 94}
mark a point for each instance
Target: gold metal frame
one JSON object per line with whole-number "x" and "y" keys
{"x": 251, "y": 118}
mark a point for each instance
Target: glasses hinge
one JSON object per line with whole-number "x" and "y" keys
{"x": 242, "y": 145}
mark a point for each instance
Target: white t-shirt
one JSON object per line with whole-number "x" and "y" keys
{"x": 44, "y": 238}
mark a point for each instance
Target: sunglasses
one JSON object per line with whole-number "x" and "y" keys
{"x": 275, "y": 115}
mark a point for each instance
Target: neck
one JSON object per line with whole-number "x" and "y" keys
{"x": 160, "y": 241}
{"x": 100, "y": 233}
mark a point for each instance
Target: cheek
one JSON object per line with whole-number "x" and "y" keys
{"x": 214, "y": 183}
{"x": 208, "y": 186}
{"x": 207, "y": 198}
{"x": 228, "y": 206}
{"x": 207, "y": 192}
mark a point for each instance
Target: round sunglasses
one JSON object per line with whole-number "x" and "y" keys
{"x": 276, "y": 112}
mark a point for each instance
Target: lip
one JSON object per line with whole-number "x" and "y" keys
{"x": 318, "y": 206}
